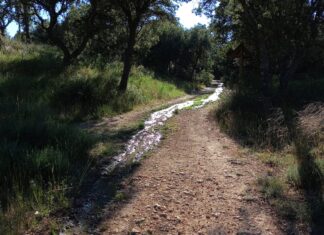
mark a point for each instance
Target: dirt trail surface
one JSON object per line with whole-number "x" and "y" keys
{"x": 197, "y": 182}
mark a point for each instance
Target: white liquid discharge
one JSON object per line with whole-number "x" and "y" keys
{"x": 143, "y": 141}
{"x": 150, "y": 136}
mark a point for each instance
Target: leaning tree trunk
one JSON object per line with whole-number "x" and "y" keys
{"x": 128, "y": 60}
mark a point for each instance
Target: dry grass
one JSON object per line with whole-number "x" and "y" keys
{"x": 311, "y": 122}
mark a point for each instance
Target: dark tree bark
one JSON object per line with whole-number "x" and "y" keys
{"x": 2, "y": 31}
{"x": 265, "y": 73}
{"x": 288, "y": 74}
{"x": 6, "y": 16}
{"x": 128, "y": 59}
{"x": 26, "y": 21}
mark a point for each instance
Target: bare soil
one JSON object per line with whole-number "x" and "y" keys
{"x": 198, "y": 181}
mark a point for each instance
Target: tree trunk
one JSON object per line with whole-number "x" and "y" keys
{"x": 1, "y": 41}
{"x": 26, "y": 23}
{"x": 2, "y": 31}
{"x": 128, "y": 60}
{"x": 286, "y": 76}
{"x": 265, "y": 74}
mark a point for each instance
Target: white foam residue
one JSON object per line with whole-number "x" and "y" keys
{"x": 149, "y": 136}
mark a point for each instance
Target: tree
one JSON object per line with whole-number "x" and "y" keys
{"x": 278, "y": 32}
{"x": 6, "y": 15}
{"x": 181, "y": 53}
{"x": 164, "y": 56}
{"x": 23, "y": 15}
{"x": 197, "y": 51}
{"x": 136, "y": 14}
{"x": 81, "y": 15}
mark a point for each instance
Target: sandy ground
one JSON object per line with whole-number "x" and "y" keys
{"x": 198, "y": 181}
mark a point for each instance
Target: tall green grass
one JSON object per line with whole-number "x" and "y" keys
{"x": 92, "y": 93}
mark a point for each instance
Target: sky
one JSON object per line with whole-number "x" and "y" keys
{"x": 187, "y": 18}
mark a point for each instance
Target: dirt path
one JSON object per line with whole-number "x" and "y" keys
{"x": 197, "y": 182}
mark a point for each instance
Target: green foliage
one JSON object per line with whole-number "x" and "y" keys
{"x": 93, "y": 93}
{"x": 293, "y": 176}
{"x": 280, "y": 39}
{"x": 182, "y": 53}
{"x": 120, "y": 196}
{"x": 307, "y": 90}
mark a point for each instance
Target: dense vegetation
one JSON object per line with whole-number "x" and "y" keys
{"x": 72, "y": 61}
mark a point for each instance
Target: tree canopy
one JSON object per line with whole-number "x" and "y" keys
{"x": 278, "y": 33}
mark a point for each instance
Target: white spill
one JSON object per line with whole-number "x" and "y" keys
{"x": 150, "y": 136}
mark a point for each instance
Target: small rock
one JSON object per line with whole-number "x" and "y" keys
{"x": 140, "y": 220}
{"x": 187, "y": 193}
{"x": 216, "y": 215}
{"x": 149, "y": 231}
{"x": 135, "y": 231}
{"x": 164, "y": 215}
{"x": 158, "y": 207}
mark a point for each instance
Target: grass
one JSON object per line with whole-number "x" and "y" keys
{"x": 246, "y": 117}
{"x": 45, "y": 157}
{"x": 199, "y": 101}
{"x": 92, "y": 93}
